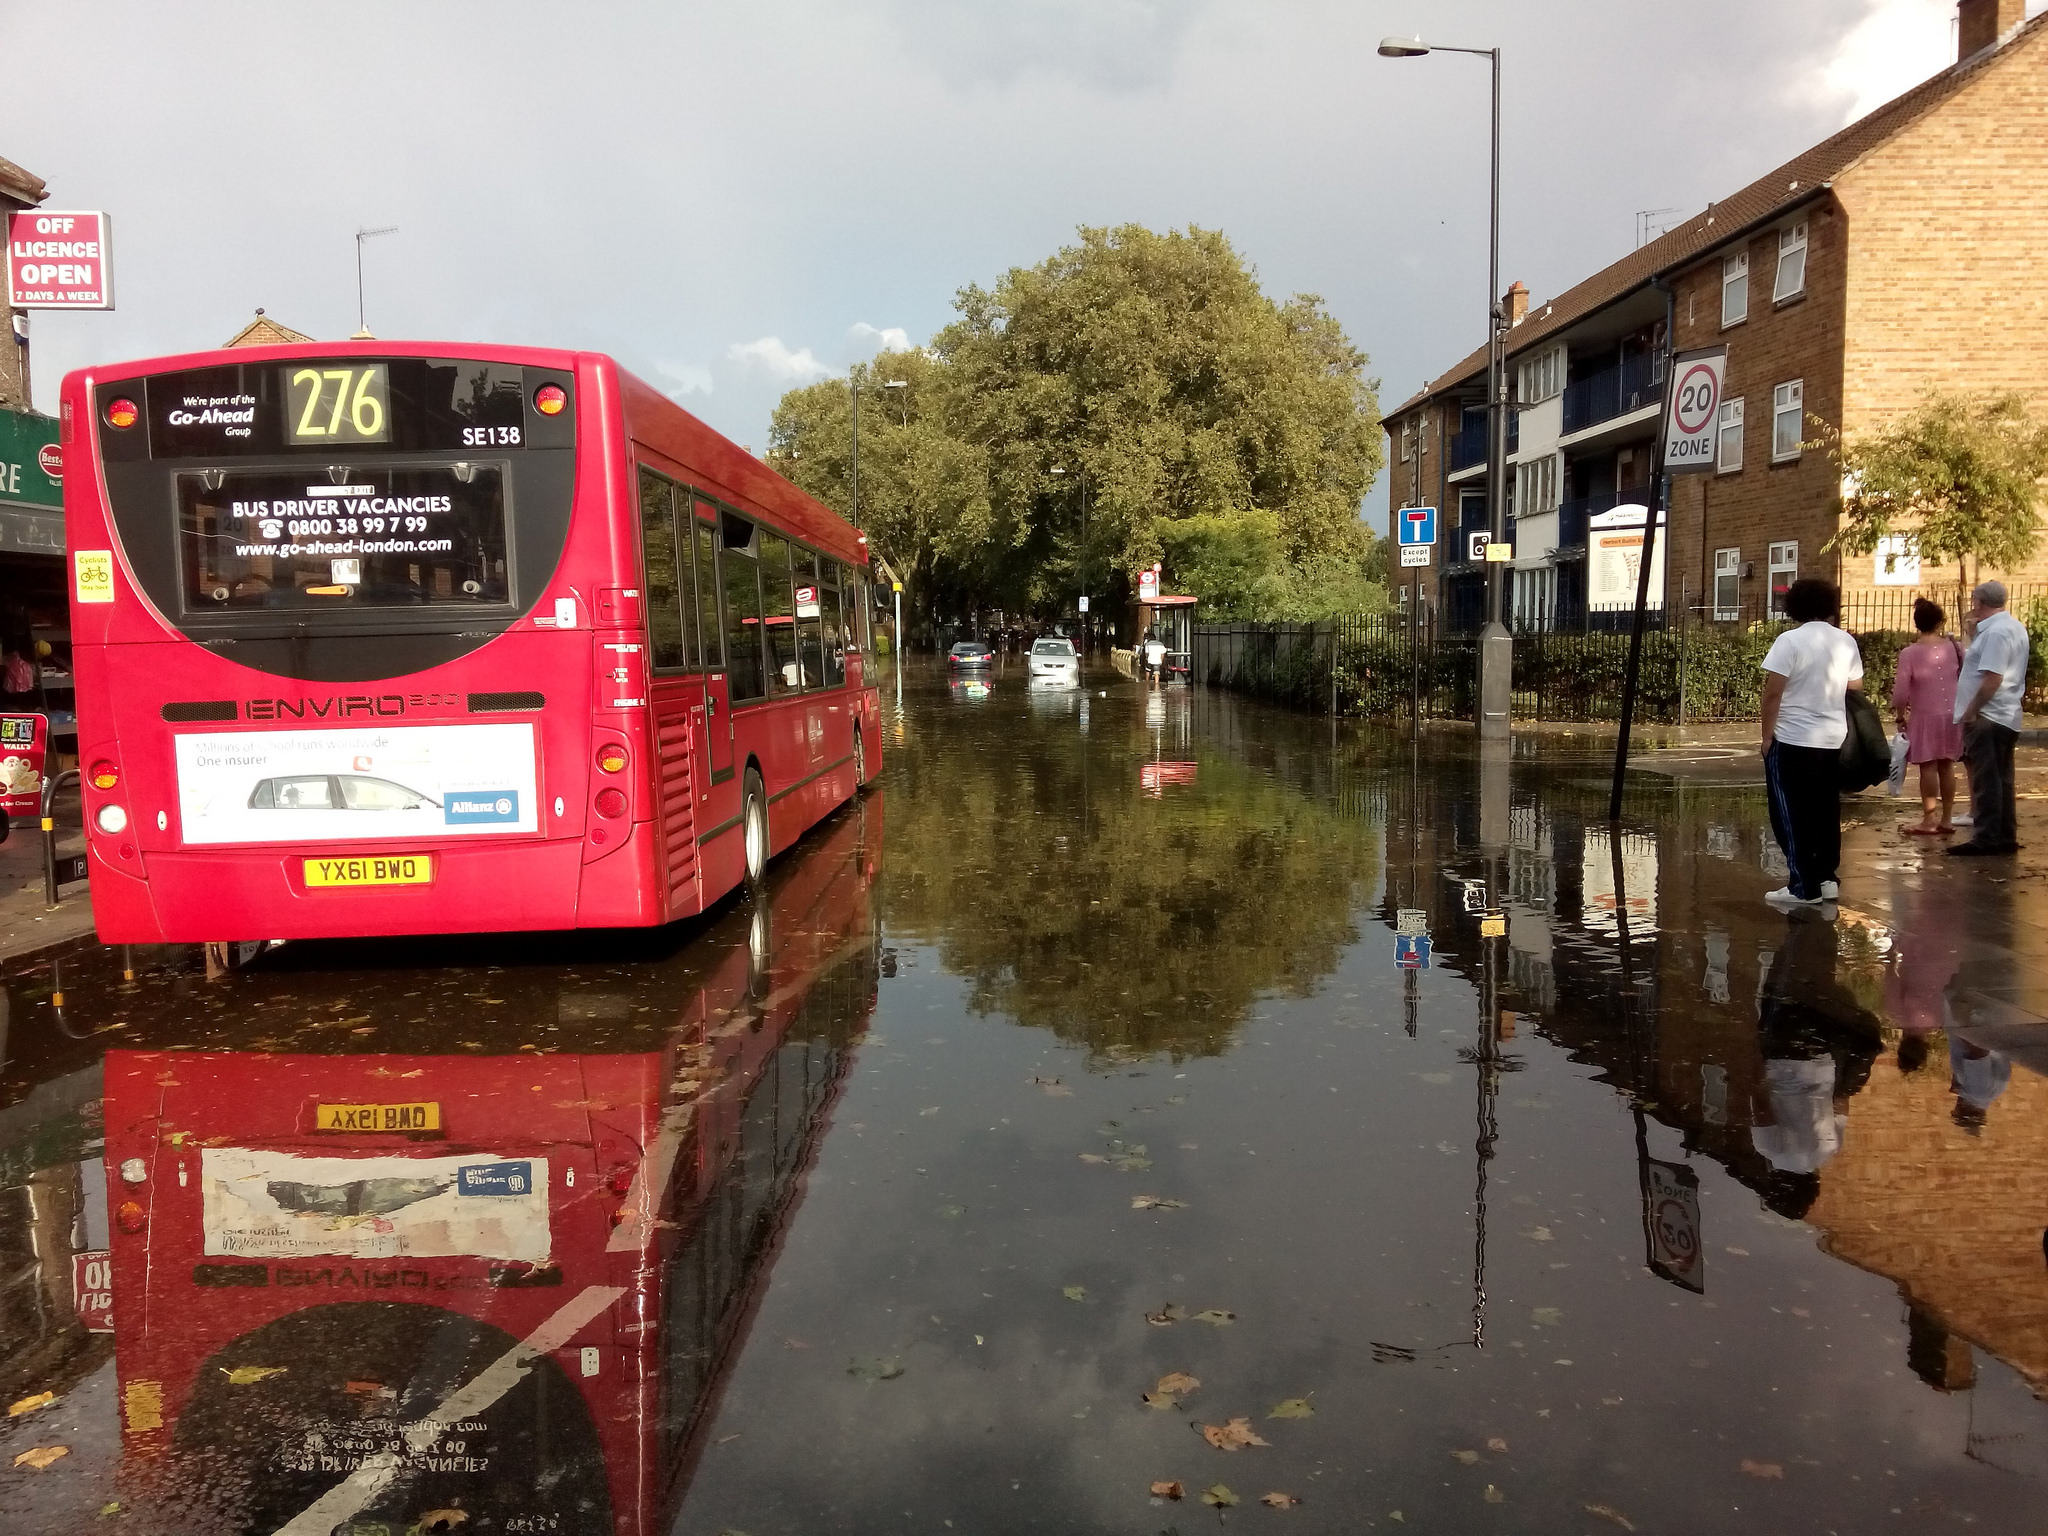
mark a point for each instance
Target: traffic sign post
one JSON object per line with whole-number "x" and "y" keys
{"x": 1411, "y": 952}
{"x": 1416, "y": 525}
{"x": 1411, "y": 921}
{"x": 1693, "y": 415}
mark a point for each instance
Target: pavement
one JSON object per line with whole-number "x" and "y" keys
{"x": 27, "y": 924}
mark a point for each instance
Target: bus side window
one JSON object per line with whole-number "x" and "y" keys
{"x": 712, "y": 649}
{"x": 686, "y": 577}
{"x": 784, "y": 675}
{"x": 658, "y": 542}
{"x": 743, "y": 648}
{"x": 810, "y": 646}
{"x": 834, "y": 635}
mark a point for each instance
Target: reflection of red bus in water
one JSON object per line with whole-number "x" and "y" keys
{"x": 375, "y": 1294}
{"x": 423, "y": 639}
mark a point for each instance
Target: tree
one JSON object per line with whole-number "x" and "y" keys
{"x": 1961, "y": 477}
{"x": 1152, "y": 373}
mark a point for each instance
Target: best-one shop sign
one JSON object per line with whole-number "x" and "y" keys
{"x": 59, "y": 260}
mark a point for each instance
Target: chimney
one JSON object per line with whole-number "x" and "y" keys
{"x": 1981, "y": 23}
{"x": 1514, "y": 303}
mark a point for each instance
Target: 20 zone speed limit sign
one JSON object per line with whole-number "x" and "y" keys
{"x": 1695, "y": 409}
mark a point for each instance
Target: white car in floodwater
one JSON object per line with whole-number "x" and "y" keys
{"x": 1054, "y": 663}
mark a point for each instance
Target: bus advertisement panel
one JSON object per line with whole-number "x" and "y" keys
{"x": 426, "y": 638}
{"x": 355, "y": 1292}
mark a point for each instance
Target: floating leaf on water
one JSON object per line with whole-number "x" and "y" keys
{"x": 878, "y": 1368}
{"x": 1129, "y": 1162}
{"x": 41, "y": 1456}
{"x": 1155, "y": 1203}
{"x": 248, "y": 1375}
{"x": 1467, "y": 1457}
{"x": 1233, "y": 1436}
{"x": 1494, "y": 1496}
{"x": 1074, "y": 1292}
{"x": 1218, "y": 1497}
{"x": 1054, "y": 1087}
{"x": 1294, "y": 1408}
{"x": 951, "y": 1212}
{"x": 1607, "y": 1513}
{"x": 111, "y": 1507}
{"x": 1497, "y": 1444}
{"x": 441, "y": 1519}
{"x": 1215, "y": 1315}
{"x": 1093, "y": 1157}
{"x": 1538, "y": 1234}
{"x": 30, "y": 1404}
{"x": 1279, "y": 1500}
{"x": 1161, "y": 1400}
{"x": 1762, "y": 1468}
{"x": 1168, "y": 1314}
{"x": 932, "y": 1111}
{"x": 1166, "y": 1490}
{"x": 1178, "y": 1382}
{"x": 1546, "y": 1317}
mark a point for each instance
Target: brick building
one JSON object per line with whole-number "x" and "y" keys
{"x": 1897, "y": 257}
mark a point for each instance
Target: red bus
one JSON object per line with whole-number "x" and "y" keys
{"x": 377, "y": 639}
{"x": 460, "y": 1293}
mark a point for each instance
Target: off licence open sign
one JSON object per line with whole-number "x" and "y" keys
{"x": 58, "y": 260}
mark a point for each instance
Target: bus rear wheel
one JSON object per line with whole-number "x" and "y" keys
{"x": 860, "y": 762}
{"x": 754, "y": 821}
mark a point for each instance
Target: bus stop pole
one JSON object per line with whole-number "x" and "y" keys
{"x": 1632, "y": 679}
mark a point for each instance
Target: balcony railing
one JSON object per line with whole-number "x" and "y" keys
{"x": 1627, "y": 386}
{"x": 1468, "y": 447}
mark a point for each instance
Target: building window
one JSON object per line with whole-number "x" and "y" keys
{"x": 1727, "y": 584}
{"x": 1407, "y": 441}
{"x": 1788, "y": 413}
{"x": 1536, "y": 486}
{"x": 1784, "y": 571}
{"x": 1541, "y": 377}
{"x": 1896, "y": 561}
{"x": 1735, "y": 289}
{"x": 1791, "y": 263}
{"x": 1728, "y": 447}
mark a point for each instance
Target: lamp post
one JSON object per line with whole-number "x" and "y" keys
{"x": 1087, "y": 621}
{"x": 853, "y": 383}
{"x": 1496, "y": 647}
{"x": 902, "y": 400}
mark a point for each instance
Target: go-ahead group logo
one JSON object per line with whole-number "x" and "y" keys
{"x": 474, "y": 806}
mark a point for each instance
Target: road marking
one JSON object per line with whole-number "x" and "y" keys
{"x": 346, "y": 1499}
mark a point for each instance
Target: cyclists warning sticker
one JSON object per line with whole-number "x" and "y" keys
{"x": 1671, "y": 1223}
{"x": 92, "y": 575}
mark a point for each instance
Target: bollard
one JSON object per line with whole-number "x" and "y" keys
{"x": 50, "y": 787}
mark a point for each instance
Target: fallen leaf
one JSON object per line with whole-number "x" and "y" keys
{"x": 1074, "y": 1292}
{"x": 1762, "y": 1468}
{"x": 1538, "y": 1234}
{"x": 1177, "y": 1381}
{"x": 1605, "y": 1513}
{"x": 1154, "y": 1203}
{"x": 1494, "y": 1496}
{"x": 1233, "y": 1436}
{"x": 1293, "y": 1408}
{"x": 1165, "y": 1316}
{"x": 442, "y": 1519}
{"x": 952, "y": 1212}
{"x": 932, "y": 1111}
{"x": 1467, "y": 1457}
{"x": 1161, "y": 1400}
{"x": 1093, "y": 1157}
{"x": 1496, "y": 1444}
{"x": 1215, "y": 1315}
{"x": 1546, "y": 1317}
{"x": 43, "y": 1455}
{"x": 248, "y": 1375}
{"x": 1218, "y": 1497}
{"x": 879, "y": 1368}
{"x": 30, "y": 1404}
{"x": 1740, "y": 1253}
{"x": 1168, "y": 1491}
{"x": 1279, "y": 1500}
{"x": 111, "y": 1507}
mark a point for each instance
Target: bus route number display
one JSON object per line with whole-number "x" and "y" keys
{"x": 337, "y": 405}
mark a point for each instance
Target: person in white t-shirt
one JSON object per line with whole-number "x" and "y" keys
{"x": 1807, "y": 675}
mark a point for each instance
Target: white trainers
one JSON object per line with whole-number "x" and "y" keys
{"x": 1783, "y": 897}
{"x": 1830, "y": 891}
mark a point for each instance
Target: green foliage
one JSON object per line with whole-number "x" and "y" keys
{"x": 1962, "y": 476}
{"x": 1142, "y": 377}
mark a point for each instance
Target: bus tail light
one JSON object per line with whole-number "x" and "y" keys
{"x": 122, "y": 413}
{"x": 130, "y": 1217}
{"x": 611, "y": 757}
{"x": 550, "y": 399}
{"x": 104, "y": 775}
{"x": 111, "y": 819}
{"x": 611, "y": 803}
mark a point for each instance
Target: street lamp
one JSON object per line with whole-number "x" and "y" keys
{"x": 1496, "y": 647}
{"x": 1087, "y": 621}
{"x": 902, "y": 400}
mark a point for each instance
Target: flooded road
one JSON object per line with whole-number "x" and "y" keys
{"x": 1073, "y": 1140}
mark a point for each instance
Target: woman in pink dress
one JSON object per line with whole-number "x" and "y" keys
{"x": 1924, "y": 702}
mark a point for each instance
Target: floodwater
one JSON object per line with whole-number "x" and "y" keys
{"x": 1070, "y": 1142}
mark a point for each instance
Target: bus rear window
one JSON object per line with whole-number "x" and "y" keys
{"x": 381, "y": 536}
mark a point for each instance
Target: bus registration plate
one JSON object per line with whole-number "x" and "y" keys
{"x": 395, "y": 869}
{"x": 377, "y": 1117}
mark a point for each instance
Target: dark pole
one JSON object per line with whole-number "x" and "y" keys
{"x": 1635, "y": 635}
{"x": 1088, "y": 620}
{"x": 855, "y": 384}
{"x": 1496, "y": 381}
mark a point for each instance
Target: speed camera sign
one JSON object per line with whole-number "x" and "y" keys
{"x": 1694, "y": 410}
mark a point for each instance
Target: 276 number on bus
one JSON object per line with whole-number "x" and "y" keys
{"x": 338, "y": 405}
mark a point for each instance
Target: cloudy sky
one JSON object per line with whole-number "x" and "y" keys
{"x": 736, "y": 198}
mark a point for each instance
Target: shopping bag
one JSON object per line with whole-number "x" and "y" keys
{"x": 1896, "y": 784}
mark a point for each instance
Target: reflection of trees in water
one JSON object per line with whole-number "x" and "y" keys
{"x": 1074, "y": 901}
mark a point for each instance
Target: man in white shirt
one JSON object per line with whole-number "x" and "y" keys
{"x": 1988, "y": 692}
{"x": 1808, "y": 672}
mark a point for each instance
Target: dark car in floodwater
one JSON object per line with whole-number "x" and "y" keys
{"x": 971, "y": 653}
